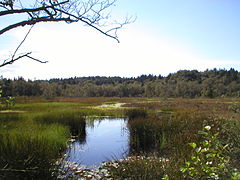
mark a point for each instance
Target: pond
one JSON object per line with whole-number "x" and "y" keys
{"x": 105, "y": 140}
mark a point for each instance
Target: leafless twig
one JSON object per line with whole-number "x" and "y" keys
{"x": 90, "y": 12}
{"x": 14, "y": 58}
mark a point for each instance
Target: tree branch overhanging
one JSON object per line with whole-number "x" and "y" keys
{"x": 34, "y": 21}
{"x": 30, "y": 10}
{"x": 12, "y": 60}
{"x": 90, "y": 12}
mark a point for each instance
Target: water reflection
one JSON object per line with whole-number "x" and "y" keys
{"x": 106, "y": 139}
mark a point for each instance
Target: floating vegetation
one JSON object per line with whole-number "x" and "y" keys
{"x": 120, "y": 169}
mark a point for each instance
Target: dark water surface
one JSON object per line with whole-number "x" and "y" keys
{"x": 106, "y": 139}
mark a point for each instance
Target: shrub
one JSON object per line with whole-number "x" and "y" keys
{"x": 209, "y": 159}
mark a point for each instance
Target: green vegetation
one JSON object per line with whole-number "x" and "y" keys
{"x": 184, "y": 83}
{"x": 159, "y": 143}
{"x": 137, "y": 167}
{"x": 210, "y": 159}
{"x": 6, "y": 102}
{"x": 34, "y": 134}
{"x": 72, "y": 119}
{"x": 29, "y": 149}
{"x": 136, "y": 113}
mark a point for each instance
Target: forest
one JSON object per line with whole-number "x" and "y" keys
{"x": 184, "y": 83}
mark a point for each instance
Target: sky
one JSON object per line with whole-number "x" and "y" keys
{"x": 167, "y": 36}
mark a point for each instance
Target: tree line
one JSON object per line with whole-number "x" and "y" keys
{"x": 184, "y": 83}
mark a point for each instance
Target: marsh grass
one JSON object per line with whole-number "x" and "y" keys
{"x": 7, "y": 117}
{"x": 30, "y": 152}
{"x": 137, "y": 167}
{"x": 33, "y": 140}
{"x": 72, "y": 119}
{"x": 167, "y": 132}
{"x": 136, "y": 113}
{"x": 161, "y": 133}
{"x": 46, "y": 106}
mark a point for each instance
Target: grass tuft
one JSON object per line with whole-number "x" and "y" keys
{"x": 31, "y": 152}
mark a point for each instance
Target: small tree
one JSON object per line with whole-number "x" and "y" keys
{"x": 7, "y": 102}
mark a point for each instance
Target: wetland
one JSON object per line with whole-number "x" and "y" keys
{"x": 134, "y": 138}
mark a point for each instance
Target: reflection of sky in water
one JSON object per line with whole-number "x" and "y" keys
{"x": 106, "y": 140}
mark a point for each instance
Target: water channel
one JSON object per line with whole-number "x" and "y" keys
{"x": 106, "y": 139}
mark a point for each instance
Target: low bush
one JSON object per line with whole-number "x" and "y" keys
{"x": 210, "y": 159}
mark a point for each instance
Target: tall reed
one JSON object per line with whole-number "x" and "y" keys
{"x": 31, "y": 153}
{"x": 72, "y": 119}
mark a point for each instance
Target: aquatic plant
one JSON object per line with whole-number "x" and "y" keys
{"x": 31, "y": 152}
{"x": 73, "y": 119}
{"x": 136, "y": 113}
{"x": 169, "y": 124}
{"x": 137, "y": 167}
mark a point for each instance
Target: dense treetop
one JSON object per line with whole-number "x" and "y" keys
{"x": 184, "y": 83}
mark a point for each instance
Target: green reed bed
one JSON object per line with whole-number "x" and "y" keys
{"x": 160, "y": 133}
{"x": 29, "y": 150}
{"x": 9, "y": 121}
{"x": 74, "y": 120}
{"x": 33, "y": 140}
{"x": 86, "y": 110}
{"x": 47, "y": 106}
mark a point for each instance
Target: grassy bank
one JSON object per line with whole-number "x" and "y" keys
{"x": 29, "y": 149}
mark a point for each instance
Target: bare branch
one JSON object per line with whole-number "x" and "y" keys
{"x": 34, "y": 21}
{"x": 10, "y": 61}
{"x": 6, "y": 62}
{"x": 90, "y": 12}
{"x": 17, "y": 11}
{"x": 89, "y": 23}
{"x": 35, "y": 59}
{"x": 22, "y": 42}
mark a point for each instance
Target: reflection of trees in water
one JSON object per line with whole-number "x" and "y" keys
{"x": 82, "y": 136}
{"x": 81, "y": 130}
{"x": 93, "y": 122}
{"x": 78, "y": 128}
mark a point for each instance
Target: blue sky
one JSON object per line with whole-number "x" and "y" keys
{"x": 210, "y": 26}
{"x": 168, "y": 35}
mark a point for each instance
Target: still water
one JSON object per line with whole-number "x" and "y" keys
{"x": 105, "y": 140}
